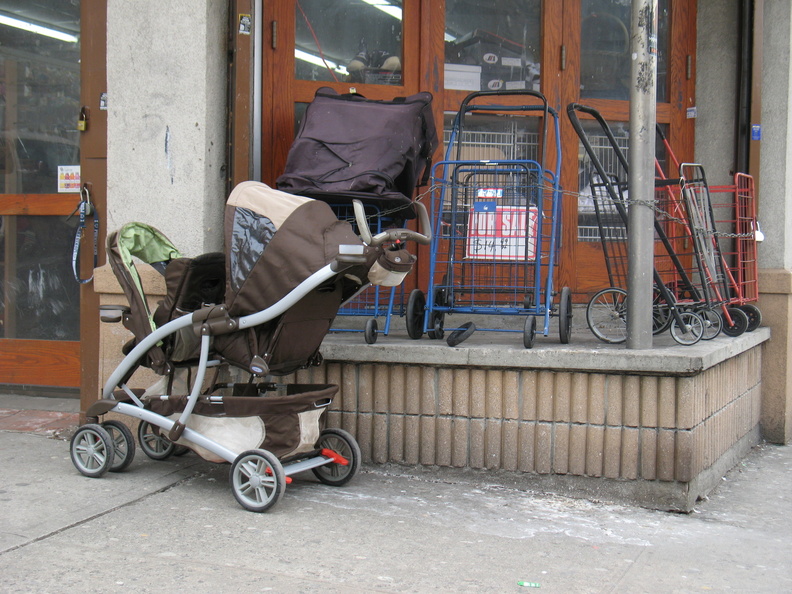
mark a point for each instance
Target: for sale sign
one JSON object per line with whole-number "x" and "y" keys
{"x": 505, "y": 233}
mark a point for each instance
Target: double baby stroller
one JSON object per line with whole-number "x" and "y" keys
{"x": 263, "y": 308}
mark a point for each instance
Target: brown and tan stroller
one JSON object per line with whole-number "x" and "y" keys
{"x": 264, "y": 308}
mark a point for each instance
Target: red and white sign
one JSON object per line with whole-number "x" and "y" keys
{"x": 501, "y": 232}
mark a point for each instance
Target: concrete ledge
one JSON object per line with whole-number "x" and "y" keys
{"x": 584, "y": 354}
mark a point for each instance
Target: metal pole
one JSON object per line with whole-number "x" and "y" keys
{"x": 643, "y": 109}
{"x": 258, "y": 51}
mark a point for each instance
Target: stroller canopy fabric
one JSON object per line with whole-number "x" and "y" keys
{"x": 138, "y": 240}
{"x": 274, "y": 241}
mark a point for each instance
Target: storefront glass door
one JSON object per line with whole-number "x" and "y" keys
{"x": 39, "y": 188}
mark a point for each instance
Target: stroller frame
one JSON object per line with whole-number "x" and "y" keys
{"x": 258, "y": 477}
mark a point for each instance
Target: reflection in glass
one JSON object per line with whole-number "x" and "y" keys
{"x": 39, "y": 98}
{"x": 357, "y": 41}
{"x": 39, "y": 107}
{"x": 605, "y": 49}
{"x": 40, "y": 298}
{"x": 590, "y": 186}
{"x": 493, "y": 45}
{"x": 495, "y": 138}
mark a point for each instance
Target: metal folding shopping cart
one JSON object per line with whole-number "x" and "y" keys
{"x": 733, "y": 273}
{"x": 735, "y": 218}
{"x": 497, "y": 205}
{"x": 680, "y": 301}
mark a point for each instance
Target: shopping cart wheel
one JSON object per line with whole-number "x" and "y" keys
{"x": 153, "y": 443}
{"x": 461, "y": 334}
{"x": 438, "y": 322}
{"x": 606, "y": 315}
{"x": 414, "y": 315}
{"x": 565, "y": 315}
{"x": 257, "y": 480}
{"x": 437, "y": 319}
{"x": 739, "y": 322}
{"x": 529, "y": 332}
{"x": 713, "y": 323}
{"x": 342, "y": 443}
{"x": 691, "y": 329}
{"x": 123, "y": 442}
{"x": 661, "y": 313}
{"x": 92, "y": 450}
{"x": 370, "y": 331}
{"x": 754, "y": 316}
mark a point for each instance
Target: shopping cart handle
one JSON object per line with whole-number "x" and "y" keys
{"x": 388, "y": 235}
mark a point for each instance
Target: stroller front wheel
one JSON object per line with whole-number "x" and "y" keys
{"x": 342, "y": 443}
{"x": 257, "y": 480}
{"x": 92, "y": 450}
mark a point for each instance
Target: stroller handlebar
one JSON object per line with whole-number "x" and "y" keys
{"x": 424, "y": 237}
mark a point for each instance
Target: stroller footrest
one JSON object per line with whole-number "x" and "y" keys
{"x": 306, "y": 464}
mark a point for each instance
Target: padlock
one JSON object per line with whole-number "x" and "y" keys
{"x": 82, "y": 122}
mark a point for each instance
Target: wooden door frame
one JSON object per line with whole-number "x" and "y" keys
{"x": 93, "y": 164}
{"x": 69, "y": 364}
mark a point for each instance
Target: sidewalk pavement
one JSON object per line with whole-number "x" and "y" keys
{"x": 175, "y": 526}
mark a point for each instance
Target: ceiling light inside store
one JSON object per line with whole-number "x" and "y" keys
{"x": 312, "y": 59}
{"x": 386, "y": 7}
{"x": 38, "y": 29}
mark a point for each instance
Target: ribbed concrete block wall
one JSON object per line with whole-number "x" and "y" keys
{"x": 616, "y": 426}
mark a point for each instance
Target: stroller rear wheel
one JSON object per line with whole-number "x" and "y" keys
{"x": 92, "y": 450}
{"x": 154, "y": 443}
{"x": 257, "y": 480}
{"x": 342, "y": 443}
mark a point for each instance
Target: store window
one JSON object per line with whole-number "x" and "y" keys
{"x": 39, "y": 162}
{"x": 594, "y": 221}
{"x": 605, "y": 49}
{"x": 493, "y": 45}
{"x": 356, "y": 41}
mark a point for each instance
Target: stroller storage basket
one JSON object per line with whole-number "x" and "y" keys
{"x": 284, "y": 425}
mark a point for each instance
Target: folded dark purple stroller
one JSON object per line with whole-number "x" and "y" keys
{"x": 263, "y": 308}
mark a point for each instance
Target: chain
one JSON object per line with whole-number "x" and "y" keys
{"x": 650, "y": 204}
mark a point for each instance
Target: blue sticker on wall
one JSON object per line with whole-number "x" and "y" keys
{"x": 756, "y": 132}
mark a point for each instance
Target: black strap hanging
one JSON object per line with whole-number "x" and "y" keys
{"x": 85, "y": 209}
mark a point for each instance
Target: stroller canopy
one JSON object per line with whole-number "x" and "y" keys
{"x": 262, "y": 266}
{"x": 274, "y": 241}
{"x": 138, "y": 240}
